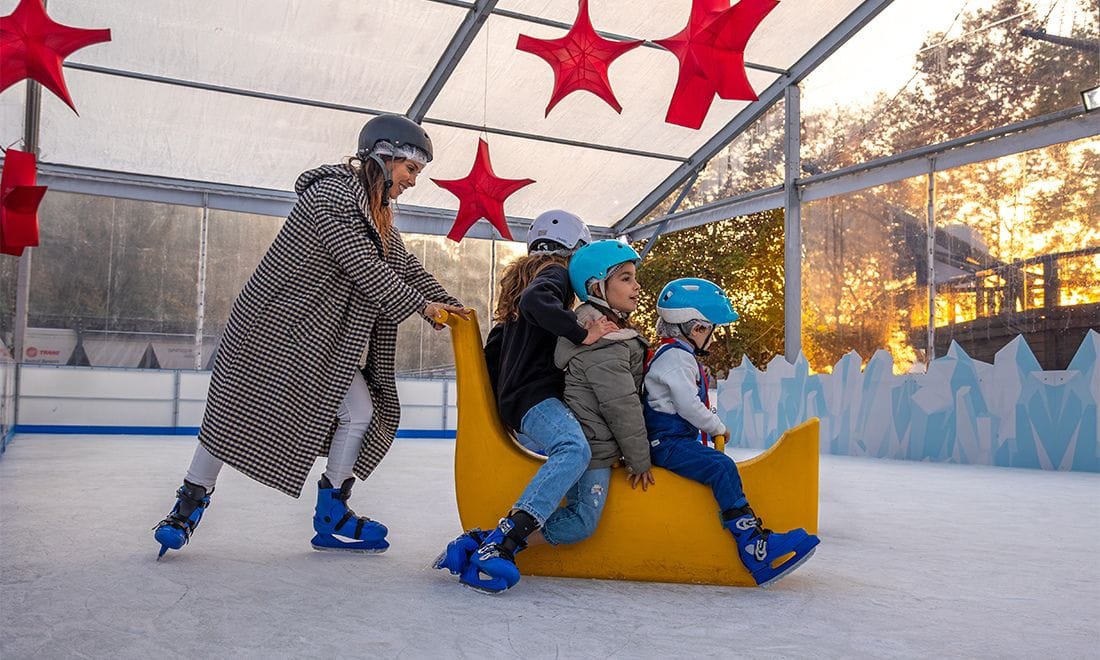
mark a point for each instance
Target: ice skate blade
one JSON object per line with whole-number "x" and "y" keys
{"x": 326, "y": 543}
{"x": 439, "y": 565}
{"x": 482, "y": 590}
{"x": 787, "y": 570}
{"x": 354, "y": 551}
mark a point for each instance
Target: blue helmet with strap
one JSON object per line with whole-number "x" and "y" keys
{"x": 594, "y": 261}
{"x": 691, "y": 299}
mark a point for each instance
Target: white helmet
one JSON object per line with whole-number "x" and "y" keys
{"x": 555, "y": 231}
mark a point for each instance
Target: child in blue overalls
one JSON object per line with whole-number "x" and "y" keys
{"x": 677, "y": 409}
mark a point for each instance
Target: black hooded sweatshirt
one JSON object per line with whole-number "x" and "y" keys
{"x": 520, "y": 353}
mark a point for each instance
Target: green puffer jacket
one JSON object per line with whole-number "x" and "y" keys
{"x": 603, "y": 384}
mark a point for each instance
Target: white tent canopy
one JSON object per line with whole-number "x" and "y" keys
{"x": 248, "y": 94}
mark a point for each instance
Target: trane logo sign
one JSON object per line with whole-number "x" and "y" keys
{"x": 33, "y": 352}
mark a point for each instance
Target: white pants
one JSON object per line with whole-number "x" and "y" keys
{"x": 354, "y": 417}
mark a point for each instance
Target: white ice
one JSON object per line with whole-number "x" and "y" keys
{"x": 916, "y": 560}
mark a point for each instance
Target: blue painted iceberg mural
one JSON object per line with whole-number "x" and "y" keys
{"x": 1009, "y": 413}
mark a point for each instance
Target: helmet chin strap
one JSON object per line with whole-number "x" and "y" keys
{"x": 699, "y": 350}
{"x": 603, "y": 304}
{"x": 601, "y": 301}
{"x": 386, "y": 173}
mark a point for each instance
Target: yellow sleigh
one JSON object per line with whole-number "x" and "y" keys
{"x": 670, "y": 534}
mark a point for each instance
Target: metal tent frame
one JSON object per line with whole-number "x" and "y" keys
{"x": 1059, "y": 127}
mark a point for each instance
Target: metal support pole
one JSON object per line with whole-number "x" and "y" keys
{"x": 931, "y": 257}
{"x": 200, "y": 285}
{"x": 668, "y": 216}
{"x": 176, "y": 398}
{"x": 492, "y": 280}
{"x": 23, "y": 279}
{"x": 446, "y": 391}
{"x": 31, "y": 116}
{"x": 792, "y": 225}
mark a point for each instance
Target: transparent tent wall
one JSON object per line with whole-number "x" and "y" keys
{"x": 751, "y": 162}
{"x": 979, "y": 66}
{"x": 235, "y": 244}
{"x": 1018, "y": 253}
{"x": 116, "y": 282}
{"x": 113, "y": 283}
{"x": 470, "y": 271}
{"x": 864, "y": 276}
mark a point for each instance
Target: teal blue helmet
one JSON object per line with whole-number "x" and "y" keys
{"x": 693, "y": 299}
{"x": 594, "y": 261}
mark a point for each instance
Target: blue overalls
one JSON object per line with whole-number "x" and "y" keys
{"x": 675, "y": 446}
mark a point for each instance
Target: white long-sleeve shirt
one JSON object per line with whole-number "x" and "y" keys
{"x": 672, "y": 386}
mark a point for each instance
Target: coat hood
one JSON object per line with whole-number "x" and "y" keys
{"x": 343, "y": 173}
{"x": 567, "y": 350}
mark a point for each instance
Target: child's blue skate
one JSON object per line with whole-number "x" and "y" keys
{"x": 492, "y": 567}
{"x": 474, "y": 579}
{"x": 456, "y": 558}
{"x": 175, "y": 531}
{"x": 768, "y": 556}
{"x": 337, "y": 526}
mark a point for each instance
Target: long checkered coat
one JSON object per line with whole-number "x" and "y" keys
{"x": 322, "y": 294}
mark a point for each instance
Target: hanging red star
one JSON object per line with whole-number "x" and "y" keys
{"x": 19, "y": 199}
{"x": 481, "y": 195}
{"x": 580, "y": 59}
{"x": 711, "y": 50}
{"x": 34, "y": 46}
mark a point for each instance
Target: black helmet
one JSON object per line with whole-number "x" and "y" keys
{"x": 395, "y": 129}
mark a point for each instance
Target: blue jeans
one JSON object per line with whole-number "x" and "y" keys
{"x": 584, "y": 502}
{"x": 552, "y": 428}
{"x": 710, "y": 467}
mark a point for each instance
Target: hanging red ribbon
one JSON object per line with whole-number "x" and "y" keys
{"x": 19, "y": 200}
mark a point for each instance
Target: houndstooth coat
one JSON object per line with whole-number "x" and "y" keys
{"x": 322, "y": 294}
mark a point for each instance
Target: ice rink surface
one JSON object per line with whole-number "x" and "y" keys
{"x": 917, "y": 560}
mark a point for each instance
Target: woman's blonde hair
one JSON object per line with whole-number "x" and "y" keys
{"x": 517, "y": 276}
{"x": 373, "y": 180}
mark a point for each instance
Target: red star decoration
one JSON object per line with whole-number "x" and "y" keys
{"x": 580, "y": 59}
{"x": 33, "y": 46}
{"x": 19, "y": 199}
{"x": 481, "y": 195}
{"x": 711, "y": 50}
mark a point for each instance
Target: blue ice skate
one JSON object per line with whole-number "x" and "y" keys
{"x": 337, "y": 526}
{"x": 474, "y": 579}
{"x": 175, "y": 531}
{"x": 493, "y": 568}
{"x": 456, "y": 557}
{"x": 767, "y": 554}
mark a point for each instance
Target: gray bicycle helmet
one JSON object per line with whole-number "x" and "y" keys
{"x": 394, "y": 136}
{"x": 398, "y": 131}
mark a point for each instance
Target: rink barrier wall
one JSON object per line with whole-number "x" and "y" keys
{"x": 7, "y": 400}
{"x": 1010, "y": 413}
{"x": 127, "y": 401}
{"x": 426, "y": 434}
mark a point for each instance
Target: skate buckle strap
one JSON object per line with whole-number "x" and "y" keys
{"x": 360, "y": 521}
{"x": 197, "y": 502}
{"x": 174, "y": 520}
